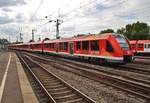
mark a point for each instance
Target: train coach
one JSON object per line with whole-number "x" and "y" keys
{"x": 140, "y": 47}
{"x": 109, "y": 47}
{"x": 20, "y": 46}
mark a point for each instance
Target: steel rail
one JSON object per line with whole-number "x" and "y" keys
{"x": 133, "y": 85}
{"x": 83, "y": 96}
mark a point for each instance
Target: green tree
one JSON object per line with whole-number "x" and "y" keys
{"x": 46, "y": 39}
{"x": 31, "y": 41}
{"x": 4, "y": 41}
{"x": 107, "y": 31}
{"x": 121, "y": 31}
{"x": 137, "y": 31}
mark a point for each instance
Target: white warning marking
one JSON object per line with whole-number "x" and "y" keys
{"x": 4, "y": 78}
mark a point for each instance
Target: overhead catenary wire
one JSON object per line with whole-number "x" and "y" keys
{"x": 117, "y": 4}
{"x": 89, "y": 3}
{"x": 34, "y": 14}
{"x": 135, "y": 11}
{"x": 73, "y": 9}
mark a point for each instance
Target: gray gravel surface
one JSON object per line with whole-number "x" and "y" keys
{"x": 95, "y": 90}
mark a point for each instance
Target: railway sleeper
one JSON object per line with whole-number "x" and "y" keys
{"x": 44, "y": 77}
{"x": 65, "y": 96}
{"x": 57, "y": 89}
{"x": 56, "y": 86}
{"x": 79, "y": 100}
{"x": 57, "y": 94}
{"x": 50, "y": 81}
{"x": 66, "y": 99}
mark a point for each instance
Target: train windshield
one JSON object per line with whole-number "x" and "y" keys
{"x": 122, "y": 42}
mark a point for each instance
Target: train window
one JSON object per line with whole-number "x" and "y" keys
{"x": 47, "y": 45}
{"x": 109, "y": 47}
{"x": 140, "y": 45}
{"x": 133, "y": 46}
{"x": 95, "y": 45}
{"x": 65, "y": 45}
{"x": 37, "y": 45}
{"x": 52, "y": 45}
{"x": 85, "y": 45}
{"x": 122, "y": 42}
{"x": 60, "y": 46}
{"x": 78, "y": 45}
{"x": 148, "y": 45}
{"x": 145, "y": 45}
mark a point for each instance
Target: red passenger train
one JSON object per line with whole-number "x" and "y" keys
{"x": 140, "y": 46}
{"x": 109, "y": 47}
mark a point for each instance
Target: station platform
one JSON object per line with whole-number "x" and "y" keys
{"x": 14, "y": 85}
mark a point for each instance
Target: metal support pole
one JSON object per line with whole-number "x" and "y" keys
{"x": 21, "y": 38}
{"x": 32, "y": 34}
{"x": 57, "y": 29}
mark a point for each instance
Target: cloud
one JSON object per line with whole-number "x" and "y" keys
{"x": 6, "y": 3}
{"x": 111, "y": 14}
{"x": 5, "y": 20}
{"x": 8, "y": 30}
{"x": 94, "y": 17}
{"x": 20, "y": 18}
{"x": 68, "y": 28}
{"x": 8, "y": 33}
{"x": 7, "y": 10}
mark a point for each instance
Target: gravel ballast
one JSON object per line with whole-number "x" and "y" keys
{"x": 101, "y": 93}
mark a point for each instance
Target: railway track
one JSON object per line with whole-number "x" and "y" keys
{"x": 142, "y": 60}
{"x": 124, "y": 68}
{"x": 142, "y": 57}
{"x": 137, "y": 87}
{"x": 135, "y": 67}
{"x": 56, "y": 90}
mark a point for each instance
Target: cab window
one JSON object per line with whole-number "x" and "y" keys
{"x": 109, "y": 47}
{"x": 140, "y": 45}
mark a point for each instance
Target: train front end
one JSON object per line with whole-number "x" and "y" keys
{"x": 125, "y": 48}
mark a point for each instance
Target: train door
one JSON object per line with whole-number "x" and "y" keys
{"x": 56, "y": 47}
{"x": 147, "y": 47}
{"x": 71, "y": 47}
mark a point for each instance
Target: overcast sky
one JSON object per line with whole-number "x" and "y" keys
{"x": 78, "y": 16}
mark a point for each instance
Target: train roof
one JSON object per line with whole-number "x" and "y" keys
{"x": 139, "y": 41}
{"x": 39, "y": 42}
{"x": 82, "y": 38}
{"x": 19, "y": 44}
{"x": 132, "y": 41}
{"x": 143, "y": 41}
